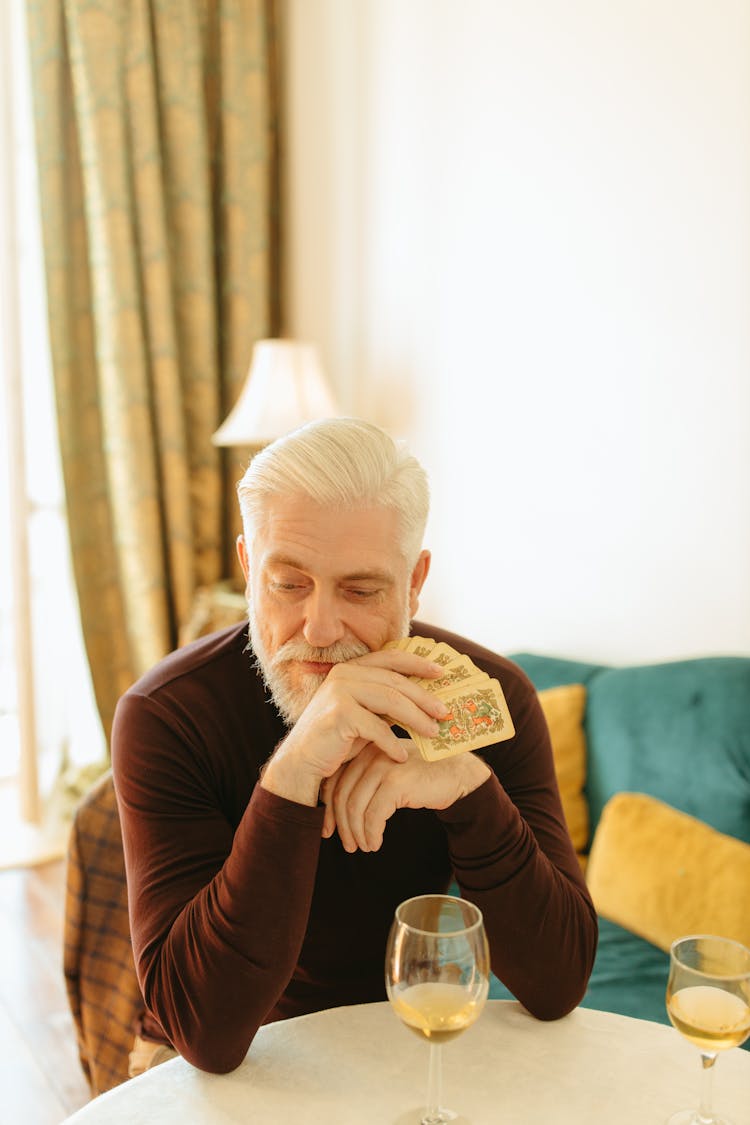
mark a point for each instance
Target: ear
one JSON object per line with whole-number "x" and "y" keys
{"x": 416, "y": 582}
{"x": 242, "y": 555}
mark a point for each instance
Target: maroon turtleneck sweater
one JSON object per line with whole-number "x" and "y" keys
{"x": 241, "y": 913}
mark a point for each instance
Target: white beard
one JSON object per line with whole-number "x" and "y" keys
{"x": 291, "y": 698}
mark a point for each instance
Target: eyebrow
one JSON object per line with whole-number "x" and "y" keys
{"x": 373, "y": 575}
{"x": 369, "y": 576}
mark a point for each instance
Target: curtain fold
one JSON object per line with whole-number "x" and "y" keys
{"x": 156, "y": 135}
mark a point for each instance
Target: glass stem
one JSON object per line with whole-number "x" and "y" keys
{"x": 433, "y": 1115}
{"x": 705, "y": 1113}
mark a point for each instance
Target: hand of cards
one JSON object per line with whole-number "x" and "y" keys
{"x": 477, "y": 712}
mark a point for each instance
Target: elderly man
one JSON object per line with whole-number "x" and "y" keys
{"x": 273, "y": 819}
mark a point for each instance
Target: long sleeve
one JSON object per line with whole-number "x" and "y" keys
{"x": 218, "y": 911}
{"x": 512, "y": 856}
{"x": 220, "y": 872}
{"x": 540, "y": 923}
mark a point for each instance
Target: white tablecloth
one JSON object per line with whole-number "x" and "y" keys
{"x": 353, "y": 1066}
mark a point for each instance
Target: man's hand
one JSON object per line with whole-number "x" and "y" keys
{"x": 355, "y": 706}
{"x": 362, "y": 795}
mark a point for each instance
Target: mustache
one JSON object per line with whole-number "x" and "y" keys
{"x": 331, "y": 654}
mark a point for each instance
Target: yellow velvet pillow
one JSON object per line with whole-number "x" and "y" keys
{"x": 563, "y": 709}
{"x": 664, "y": 874}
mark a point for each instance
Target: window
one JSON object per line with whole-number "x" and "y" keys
{"x": 48, "y": 719}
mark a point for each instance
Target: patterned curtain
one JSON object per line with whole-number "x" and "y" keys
{"x": 156, "y": 138}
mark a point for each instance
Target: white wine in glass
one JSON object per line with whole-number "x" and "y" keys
{"x": 437, "y": 975}
{"x": 708, "y": 1001}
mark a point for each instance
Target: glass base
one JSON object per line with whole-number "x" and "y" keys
{"x": 442, "y": 1117}
{"x": 693, "y": 1117}
{"x": 414, "y": 1116}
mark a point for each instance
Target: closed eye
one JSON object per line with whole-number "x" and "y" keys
{"x": 286, "y": 587}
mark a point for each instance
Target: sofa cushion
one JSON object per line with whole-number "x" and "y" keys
{"x": 564, "y": 708}
{"x": 679, "y": 732}
{"x": 550, "y": 671}
{"x": 629, "y": 977}
{"x": 682, "y": 732}
{"x": 663, "y": 874}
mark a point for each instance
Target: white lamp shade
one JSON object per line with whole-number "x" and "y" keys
{"x": 284, "y": 389}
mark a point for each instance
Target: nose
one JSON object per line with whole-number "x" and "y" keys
{"x": 323, "y": 626}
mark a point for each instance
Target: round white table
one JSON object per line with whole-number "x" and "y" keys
{"x": 352, "y": 1066}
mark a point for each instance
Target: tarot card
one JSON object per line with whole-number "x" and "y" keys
{"x": 457, "y": 672}
{"x": 478, "y": 716}
{"x": 420, "y": 646}
{"x": 444, "y": 655}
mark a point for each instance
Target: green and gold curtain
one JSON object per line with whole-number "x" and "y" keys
{"x": 156, "y": 137}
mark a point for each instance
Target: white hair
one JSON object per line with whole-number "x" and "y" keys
{"x": 342, "y": 463}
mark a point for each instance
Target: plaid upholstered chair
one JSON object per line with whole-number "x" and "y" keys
{"x": 103, "y": 990}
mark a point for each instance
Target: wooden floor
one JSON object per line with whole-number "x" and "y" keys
{"x": 40, "y": 1075}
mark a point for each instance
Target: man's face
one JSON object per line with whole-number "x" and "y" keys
{"x": 324, "y": 586}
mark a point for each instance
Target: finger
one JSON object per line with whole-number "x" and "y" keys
{"x": 387, "y": 692}
{"x": 384, "y": 692}
{"x": 411, "y": 706}
{"x": 407, "y": 663}
{"x": 369, "y": 727}
{"x": 380, "y": 808}
{"x": 353, "y": 793}
{"x": 327, "y": 790}
{"x": 329, "y": 823}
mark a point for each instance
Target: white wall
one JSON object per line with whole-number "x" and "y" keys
{"x": 520, "y": 235}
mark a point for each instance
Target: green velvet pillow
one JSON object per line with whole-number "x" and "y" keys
{"x": 680, "y": 732}
{"x": 551, "y": 671}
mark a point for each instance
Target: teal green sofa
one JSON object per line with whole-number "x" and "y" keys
{"x": 679, "y": 732}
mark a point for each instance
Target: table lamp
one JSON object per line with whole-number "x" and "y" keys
{"x": 285, "y": 387}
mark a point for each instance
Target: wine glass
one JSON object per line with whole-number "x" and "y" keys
{"x": 708, "y": 1001}
{"x": 437, "y": 976}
